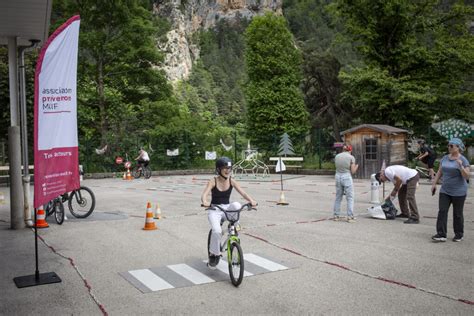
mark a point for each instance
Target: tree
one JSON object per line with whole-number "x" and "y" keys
{"x": 274, "y": 101}
{"x": 321, "y": 87}
{"x": 117, "y": 63}
{"x": 418, "y": 57}
{"x": 325, "y": 53}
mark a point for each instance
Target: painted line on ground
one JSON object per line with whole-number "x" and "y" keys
{"x": 379, "y": 278}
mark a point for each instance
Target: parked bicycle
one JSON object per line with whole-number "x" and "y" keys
{"x": 231, "y": 243}
{"x": 81, "y": 202}
{"x": 55, "y": 207}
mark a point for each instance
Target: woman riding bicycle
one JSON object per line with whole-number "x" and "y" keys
{"x": 220, "y": 188}
{"x": 427, "y": 156}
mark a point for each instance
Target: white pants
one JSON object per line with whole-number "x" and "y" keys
{"x": 215, "y": 216}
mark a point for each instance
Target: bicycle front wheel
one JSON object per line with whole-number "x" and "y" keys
{"x": 136, "y": 172}
{"x": 81, "y": 202}
{"x": 236, "y": 263}
{"x": 59, "y": 212}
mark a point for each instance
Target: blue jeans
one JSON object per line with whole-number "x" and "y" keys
{"x": 344, "y": 186}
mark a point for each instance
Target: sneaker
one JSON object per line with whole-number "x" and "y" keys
{"x": 336, "y": 218}
{"x": 411, "y": 221}
{"x": 351, "y": 219}
{"x": 213, "y": 261}
{"x": 402, "y": 215}
{"x": 457, "y": 238}
{"x": 439, "y": 238}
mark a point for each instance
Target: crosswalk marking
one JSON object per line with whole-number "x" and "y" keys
{"x": 191, "y": 274}
{"x": 151, "y": 280}
{"x": 264, "y": 263}
{"x": 223, "y": 266}
{"x": 194, "y": 273}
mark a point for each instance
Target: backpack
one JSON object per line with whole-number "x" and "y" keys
{"x": 389, "y": 209}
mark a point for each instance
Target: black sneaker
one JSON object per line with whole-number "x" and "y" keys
{"x": 411, "y": 221}
{"x": 439, "y": 238}
{"x": 402, "y": 216}
{"x": 213, "y": 261}
{"x": 457, "y": 238}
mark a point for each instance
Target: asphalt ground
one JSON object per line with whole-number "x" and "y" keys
{"x": 369, "y": 267}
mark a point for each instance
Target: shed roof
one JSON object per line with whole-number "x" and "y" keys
{"x": 377, "y": 127}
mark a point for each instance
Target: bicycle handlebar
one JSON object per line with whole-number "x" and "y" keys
{"x": 248, "y": 206}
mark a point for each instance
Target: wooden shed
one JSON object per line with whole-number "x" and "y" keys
{"x": 374, "y": 143}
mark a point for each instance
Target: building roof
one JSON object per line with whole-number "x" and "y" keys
{"x": 24, "y": 19}
{"x": 377, "y": 127}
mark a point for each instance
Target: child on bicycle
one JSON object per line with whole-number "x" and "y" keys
{"x": 220, "y": 188}
{"x": 427, "y": 156}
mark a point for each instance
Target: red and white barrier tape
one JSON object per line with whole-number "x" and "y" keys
{"x": 340, "y": 266}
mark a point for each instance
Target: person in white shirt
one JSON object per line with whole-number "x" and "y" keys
{"x": 143, "y": 159}
{"x": 405, "y": 181}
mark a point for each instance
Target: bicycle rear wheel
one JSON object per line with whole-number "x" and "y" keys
{"x": 146, "y": 173}
{"x": 59, "y": 212}
{"x": 236, "y": 263}
{"x": 81, "y": 202}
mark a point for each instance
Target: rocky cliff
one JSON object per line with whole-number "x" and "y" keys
{"x": 190, "y": 16}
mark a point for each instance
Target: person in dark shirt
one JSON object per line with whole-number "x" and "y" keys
{"x": 220, "y": 188}
{"x": 427, "y": 156}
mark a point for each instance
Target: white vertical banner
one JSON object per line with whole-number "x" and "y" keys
{"x": 56, "y": 145}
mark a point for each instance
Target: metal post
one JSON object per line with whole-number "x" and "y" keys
{"x": 24, "y": 138}
{"x": 14, "y": 142}
{"x": 235, "y": 144}
{"x": 319, "y": 148}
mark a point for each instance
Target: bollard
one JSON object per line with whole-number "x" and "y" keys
{"x": 374, "y": 190}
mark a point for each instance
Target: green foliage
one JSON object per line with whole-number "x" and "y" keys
{"x": 419, "y": 57}
{"x": 119, "y": 86}
{"x": 325, "y": 53}
{"x": 30, "y": 64}
{"x": 218, "y": 75}
{"x": 275, "y": 103}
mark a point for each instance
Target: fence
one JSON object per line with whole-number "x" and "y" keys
{"x": 316, "y": 148}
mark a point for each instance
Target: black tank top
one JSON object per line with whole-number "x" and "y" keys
{"x": 221, "y": 197}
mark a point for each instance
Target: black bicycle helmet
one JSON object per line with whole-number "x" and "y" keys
{"x": 223, "y": 162}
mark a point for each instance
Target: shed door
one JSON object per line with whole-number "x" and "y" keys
{"x": 371, "y": 157}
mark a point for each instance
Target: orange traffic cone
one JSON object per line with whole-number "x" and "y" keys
{"x": 41, "y": 219}
{"x": 124, "y": 176}
{"x": 282, "y": 200}
{"x": 157, "y": 212}
{"x": 129, "y": 175}
{"x": 149, "y": 221}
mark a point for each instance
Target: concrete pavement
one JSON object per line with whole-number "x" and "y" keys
{"x": 367, "y": 267}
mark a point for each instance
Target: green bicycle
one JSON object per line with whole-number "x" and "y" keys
{"x": 231, "y": 243}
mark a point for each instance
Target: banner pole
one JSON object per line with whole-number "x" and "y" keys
{"x": 37, "y": 278}
{"x": 281, "y": 176}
